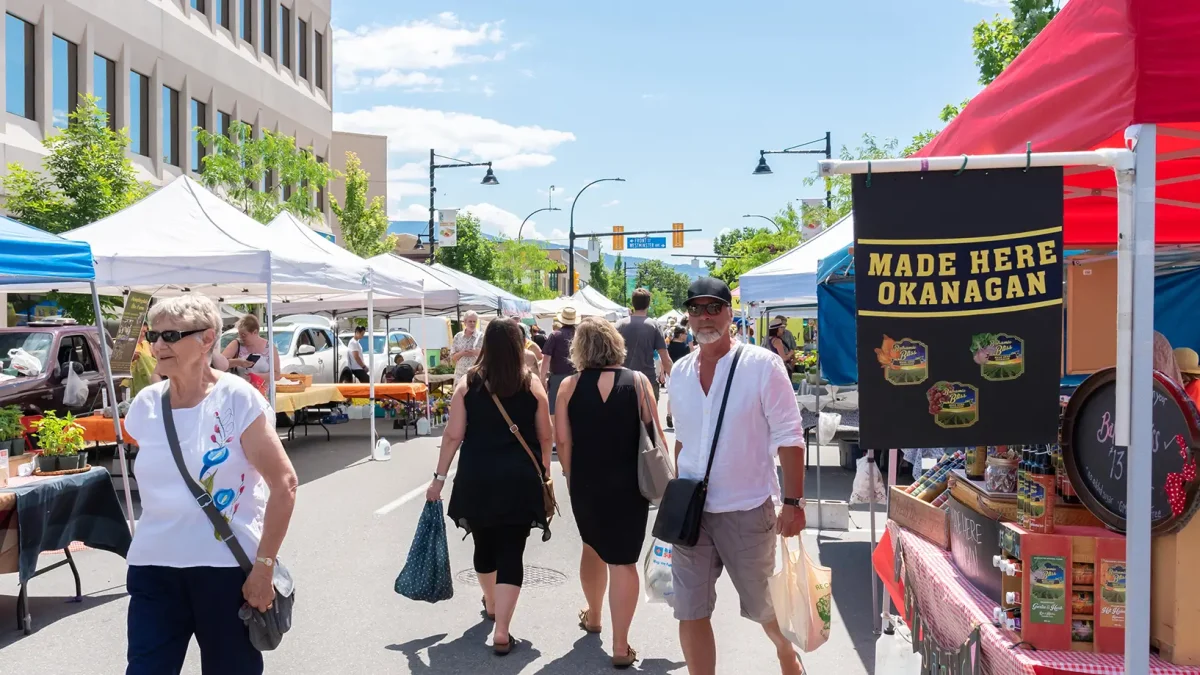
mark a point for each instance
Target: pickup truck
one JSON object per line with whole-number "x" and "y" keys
{"x": 57, "y": 346}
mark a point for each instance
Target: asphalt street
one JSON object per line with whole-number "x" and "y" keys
{"x": 349, "y": 535}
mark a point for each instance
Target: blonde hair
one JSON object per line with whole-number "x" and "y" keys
{"x": 248, "y": 324}
{"x": 597, "y": 344}
{"x": 193, "y": 310}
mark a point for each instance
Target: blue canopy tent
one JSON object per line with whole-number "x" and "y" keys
{"x": 32, "y": 256}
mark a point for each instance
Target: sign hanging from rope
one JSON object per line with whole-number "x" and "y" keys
{"x": 959, "y": 305}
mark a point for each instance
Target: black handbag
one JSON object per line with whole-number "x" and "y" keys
{"x": 266, "y": 628}
{"x": 679, "y": 513}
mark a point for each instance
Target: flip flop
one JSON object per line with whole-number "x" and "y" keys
{"x": 622, "y": 662}
{"x": 502, "y": 649}
{"x": 583, "y": 623}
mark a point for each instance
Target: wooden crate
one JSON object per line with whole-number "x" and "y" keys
{"x": 927, "y": 520}
{"x": 1175, "y": 596}
{"x": 298, "y": 378}
{"x": 1003, "y": 506}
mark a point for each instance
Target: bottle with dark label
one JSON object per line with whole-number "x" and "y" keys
{"x": 1041, "y": 493}
{"x": 976, "y": 462}
{"x": 1022, "y": 486}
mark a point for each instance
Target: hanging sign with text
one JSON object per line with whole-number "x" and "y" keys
{"x": 958, "y": 283}
{"x": 447, "y": 227}
{"x": 130, "y": 328}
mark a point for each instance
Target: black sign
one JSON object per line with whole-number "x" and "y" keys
{"x": 1099, "y": 468}
{"x": 958, "y": 285}
{"x": 974, "y": 540}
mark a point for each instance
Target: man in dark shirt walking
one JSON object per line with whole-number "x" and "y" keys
{"x": 556, "y": 355}
{"x": 642, "y": 340}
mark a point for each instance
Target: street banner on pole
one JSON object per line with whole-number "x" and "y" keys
{"x": 447, "y": 227}
{"x": 958, "y": 284}
{"x": 128, "y": 332}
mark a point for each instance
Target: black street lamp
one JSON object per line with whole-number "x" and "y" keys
{"x": 489, "y": 178}
{"x": 762, "y": 169}
{"x": 571, "y": 235}
{"x": 766, "y": 218}
{"x": 522, "y": 228}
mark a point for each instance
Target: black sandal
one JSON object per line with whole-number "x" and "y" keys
{"x": 503, "y": 649}
{"x": 491, "y": 617}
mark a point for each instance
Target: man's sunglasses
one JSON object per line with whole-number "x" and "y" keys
{"x": 170, "y": 336}
{"x": 713, "y": 308}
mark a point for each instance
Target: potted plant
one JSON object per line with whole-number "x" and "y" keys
{"x": 12, "y": 434}
{"x": 61, "y": 441}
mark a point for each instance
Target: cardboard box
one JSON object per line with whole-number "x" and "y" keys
{"x": 919, "y": 516}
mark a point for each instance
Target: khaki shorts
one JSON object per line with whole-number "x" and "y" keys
{"x": 743, "y": 542}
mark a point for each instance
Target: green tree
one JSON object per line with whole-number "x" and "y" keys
{"x": 668, "y": 287}
{"x": 474, "y": 253}
{"x": 759, "y": 249}
{"x": 86, "y": 177}
{"x": 871, "y": 148}
{"x": 998, "y": 42}
{"x": 364, "y": 225}
{"x": 240, "y": 167}
{"x": 724, "y": 243}
{"x": 617, "y": 288}
{"x": 601, "y": 279}
{"x": 518, "y": 268}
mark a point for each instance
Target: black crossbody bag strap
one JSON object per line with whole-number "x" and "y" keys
{"x": 203, "y": 499}
{"x": 737, "y": 354}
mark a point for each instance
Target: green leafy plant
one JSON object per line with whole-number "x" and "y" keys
{"x": 364, "y": 222}
{"x": 10, "y": 423}
{"x": 59, "y": 436}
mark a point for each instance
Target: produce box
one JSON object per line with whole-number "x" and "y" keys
{"x": 1002, "y": 506}
{"x": 921, "y": 517}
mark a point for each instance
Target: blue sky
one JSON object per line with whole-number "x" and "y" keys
{"x": 677, "y": 98}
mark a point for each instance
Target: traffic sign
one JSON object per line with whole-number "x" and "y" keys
{"x": 618, "y": 238}
{"x": 646, "y": 242}
{"x": 677, "y": 236}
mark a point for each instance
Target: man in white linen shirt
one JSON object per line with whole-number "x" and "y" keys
{"x": 739, "y": 527}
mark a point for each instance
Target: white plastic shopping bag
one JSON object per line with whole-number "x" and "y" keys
{"x": 24, "y": 363}
{"x": 76, "y": 393}
{"x": 827, "y": 425}
{"x": 656, "y": 570}
{"x": 802, "y": 593}
{"x": 868, "y": 484}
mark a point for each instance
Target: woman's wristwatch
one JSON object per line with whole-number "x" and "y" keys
{"x": 439, "y": 476}
{"x": 794, "y": 501}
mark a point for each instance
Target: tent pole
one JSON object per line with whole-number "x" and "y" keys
{"x": 885, "y": 615}
{"x": 337, "y": 366}
{"x": 817, "y": 405}
{"x": 425, "y": 367}
{"x": 105, "y": 356}
{"x": 371, "y": 360}
{"x": 871, "y": 502}
{"x": 271, "y": 342}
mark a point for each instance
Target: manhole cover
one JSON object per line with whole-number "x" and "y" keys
{"x": 535, "y": 577}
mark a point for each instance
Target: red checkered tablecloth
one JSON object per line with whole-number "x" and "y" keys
{"x": 952, "y": 606}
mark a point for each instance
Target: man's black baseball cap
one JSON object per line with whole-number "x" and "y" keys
{"x": 709, "y": 288}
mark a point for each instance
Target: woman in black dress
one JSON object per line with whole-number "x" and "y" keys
{"x": 497, "y": 495}
{"x": 598, "y": 412}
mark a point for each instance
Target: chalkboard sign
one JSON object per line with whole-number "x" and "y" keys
{"x": 1099, "y": 469}
{"x": 974, "y": 539}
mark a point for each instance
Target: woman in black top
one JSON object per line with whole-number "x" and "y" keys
{"x": 497, "y": 495}
{"x": 677, "y": 348}
{"x": 598, "y": 413}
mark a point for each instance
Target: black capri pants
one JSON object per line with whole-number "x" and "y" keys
{"x": 501, "y": 549}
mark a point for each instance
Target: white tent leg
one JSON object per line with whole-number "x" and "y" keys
{"x": 874, "y": 539}
{"x": 425, "y": 369}
{"x": 106, "y": 369}
{"x": 371, "y": 361}
{"x": 818, "y": 436}
{"x": 893, "y": 467}
{"x": 270, "y": 355}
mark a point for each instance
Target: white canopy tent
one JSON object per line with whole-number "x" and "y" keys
{"x": 791, "y": 279}
{"x": 597, "y": 299}
{"x": 479, "y": 295}
{"x": 547, "y": 309}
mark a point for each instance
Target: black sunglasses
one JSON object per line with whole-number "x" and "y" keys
{"x": 170, "y": 336}
{"x": 713, "y": 308}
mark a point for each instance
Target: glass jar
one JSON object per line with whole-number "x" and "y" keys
{"x": 1001, "y": 475}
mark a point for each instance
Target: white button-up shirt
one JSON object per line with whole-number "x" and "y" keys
{"x": 761, "y": 417}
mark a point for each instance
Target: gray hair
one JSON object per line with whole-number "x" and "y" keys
{"x": 596, "y": 344}
{"x": 471, "y": 315}
{"x": 193, "y": 310}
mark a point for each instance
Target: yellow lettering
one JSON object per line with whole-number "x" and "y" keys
{"x": 1024, "y": 256}
{"x": 887, "y": 291}
{"x": 946, "y": 264}
{"x": 972, "y": 294}
{"x": 1002, "y": 262}
{"x": 979, "y": 262}
{"x": 1046, "y": 249}
{"x": 906, "y": 292}
{"x": 928, "y": 294}
{"x": 1014, "y": 288}
{"x": 881, "y": 265}
{"x": 992, "y": 288}
{"x": 904, "y": 266}
{"x": 924, "y": 264}
{"x": 950, "y": 292}
{"x": 1036, "y": 282}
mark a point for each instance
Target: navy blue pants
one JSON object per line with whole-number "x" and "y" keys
{"x": 168, "y": 605}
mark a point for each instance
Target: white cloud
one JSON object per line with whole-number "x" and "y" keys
{"x": 557, "y": 234}
{"x": 558, "y": 192}
{"x": 507, "y": 223}
{"x": 362, "y": 54}
{"x": 409, "y": 171}
{"x": 529, "y": 160}
{"x": 488, "y": 90}
{"x": 399, "y": 189}
{"x": 527, "y": 72}
{"x": 463, "y": 135}
{"x": 607, "y": 204}
{"x": 414, "y": 81}
{"x": 518, "y": 46}
{"x": 410, "y": 212}
{"x": 473, "y": 78}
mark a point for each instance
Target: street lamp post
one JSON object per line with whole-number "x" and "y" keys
{"x": 571, "y": 234}
{"x": 762, "y": 169}
{"x": 489, "y": 178}
{"x": 766, "y": 218}
{"x": 522, "y": 228}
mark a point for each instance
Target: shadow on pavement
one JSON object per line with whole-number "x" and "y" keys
{"x": 588, "y": 656}
{"x": 852, "y": 574}
{"x": 46, "y": 610}
{"x": 349, "y": 444}
{"x": 469, "y": 653}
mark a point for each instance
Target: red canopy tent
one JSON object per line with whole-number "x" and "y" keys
{"x": 1097, "y": 68}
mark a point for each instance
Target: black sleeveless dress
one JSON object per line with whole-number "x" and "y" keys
{"x": 610, "y": 510}
{"x": 497, "y": 483}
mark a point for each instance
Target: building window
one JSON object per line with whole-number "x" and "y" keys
{"x": 247, "y": 21}
{"x": 224, "y": 119}
{"x": 170, "y": 126}
{"x": 222, "y": 7}
{"x": 287, "y": 191}
{"x": 302, "y": 43}
{"x": 199, "y": 119}
{"x": 198, "y": 5}
{"x": 104, "y": 86}
{"x": 18, "y": 66}
{"x": 321, "y": 190}
{"x": 265, "y": 28}
{"x": 139, "y": 113}
{"x": 285, "y": 36}
{"x": 319, "y": 61}
{"x": 66, "y": 81}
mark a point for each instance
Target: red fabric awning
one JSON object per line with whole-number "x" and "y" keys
{"x": 1097, "y": 68}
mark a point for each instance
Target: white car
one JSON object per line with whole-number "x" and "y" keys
{"x": 301, "y": 343}
{"x": 396, "y": 342}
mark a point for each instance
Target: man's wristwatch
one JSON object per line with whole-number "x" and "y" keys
{"x": 439, "y": 476}
{"x": 793, "y": 501}
{"x": 269, "y": 562}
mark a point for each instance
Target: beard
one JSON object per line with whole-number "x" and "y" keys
{"x": 707, "y": 337}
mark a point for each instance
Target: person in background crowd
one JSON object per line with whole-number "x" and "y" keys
{"x": 497, "y": 495}
{"x": 1189, "y": 368}
{"x": 142, "y": 368}
{"x": 750, "y": 332}
{"x": 789, "y": 340}
{"x": 643, "y": 341}
{"x": 677, "y": 348}
{"x": 356, "y": 364}
{"x": 464, "y": 350}
{"x": 531, "y": 352}
{"x": 556, "y": 357}
{"x": 1164, "y": 358}
{"x": 538, "y": 336}
{"x": 596, "y": 425}
{"x": 779, "y": 345}
{"x": 248, "y": 354}
{"x": 182, "y": 580}
{"x": 739, "y": 527}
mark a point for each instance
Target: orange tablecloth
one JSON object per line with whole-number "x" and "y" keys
{"x": 98, "y": 429}
{"x": 414, "y": 390}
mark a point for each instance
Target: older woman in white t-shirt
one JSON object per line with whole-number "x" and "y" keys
{"x": 183, "y": 581}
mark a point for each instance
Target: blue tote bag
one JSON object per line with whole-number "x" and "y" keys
{"x": 426, "y": 573}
